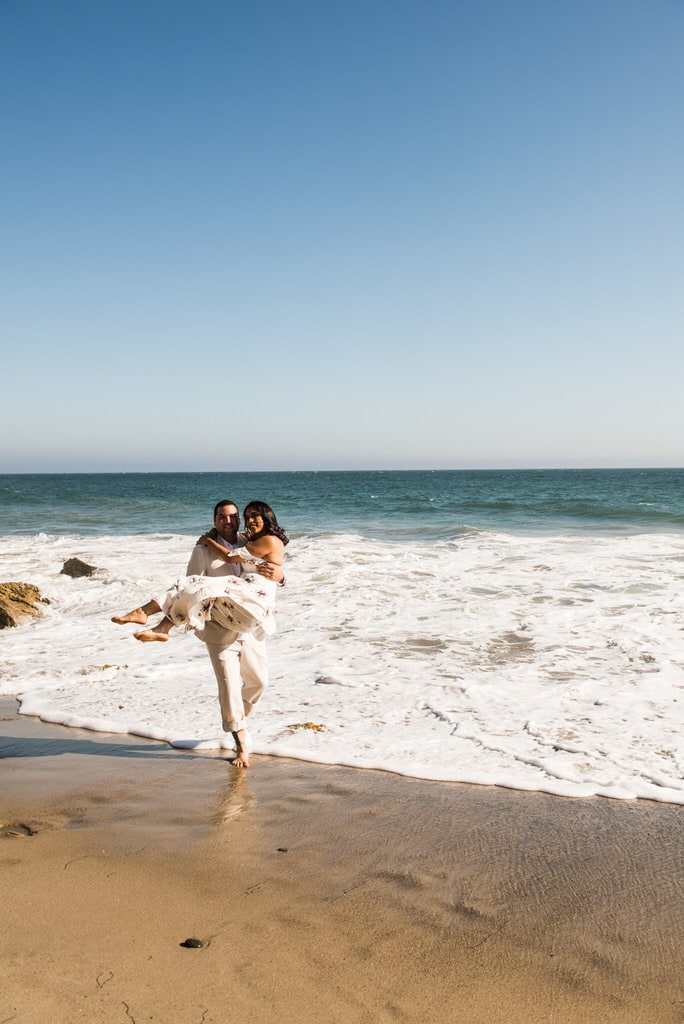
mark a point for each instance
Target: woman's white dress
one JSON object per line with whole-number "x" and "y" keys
{"x": 241, "y": 603}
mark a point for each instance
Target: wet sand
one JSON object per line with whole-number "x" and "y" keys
{"x": 321, "y": 894}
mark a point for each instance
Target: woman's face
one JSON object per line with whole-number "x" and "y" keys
{"x": 253, "y": 522}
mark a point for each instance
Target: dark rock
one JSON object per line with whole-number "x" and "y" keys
{"x": 18, "y": 601}
{"x": 192, "y": 943}
{"x": 74, "y": 567}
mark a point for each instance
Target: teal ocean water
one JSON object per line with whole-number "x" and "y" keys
{"x": 523, "y": 629}
{"x": 399, "y": 505}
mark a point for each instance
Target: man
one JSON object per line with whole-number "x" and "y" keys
{"x": 238, "y": 659}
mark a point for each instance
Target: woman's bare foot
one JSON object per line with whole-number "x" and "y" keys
{"x": 148, "y": 635}
{"x": 137, "y": 616}
{"x": 241, "y": 759}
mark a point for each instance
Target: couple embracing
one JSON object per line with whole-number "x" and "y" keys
{"x": 227, "y": 597}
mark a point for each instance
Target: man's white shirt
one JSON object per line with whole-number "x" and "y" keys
{"x": 205, "y": 562}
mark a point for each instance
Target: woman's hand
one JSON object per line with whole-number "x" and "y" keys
{"x": 206, "y": 539}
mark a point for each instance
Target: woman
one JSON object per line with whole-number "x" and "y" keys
{"x": 242, "y": 603}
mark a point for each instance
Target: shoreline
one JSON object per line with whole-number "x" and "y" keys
{"x": 322, "y": 892}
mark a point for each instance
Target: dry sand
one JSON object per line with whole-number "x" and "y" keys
{"x": 321, "y": 894}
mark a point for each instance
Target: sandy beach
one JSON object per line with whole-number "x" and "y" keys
{"x": 321, "y": 894}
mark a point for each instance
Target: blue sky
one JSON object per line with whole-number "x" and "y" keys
{"x": 288, "y": 235}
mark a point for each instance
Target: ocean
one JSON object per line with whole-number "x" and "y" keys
{"x": 511, "y": 628}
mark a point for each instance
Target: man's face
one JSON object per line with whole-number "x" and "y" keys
{"x": 227, "y": 521}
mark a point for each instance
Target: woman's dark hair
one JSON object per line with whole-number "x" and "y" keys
{"x": 271, "y": 527}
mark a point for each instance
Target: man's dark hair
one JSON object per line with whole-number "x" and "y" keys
{"x": 220, "y": 504}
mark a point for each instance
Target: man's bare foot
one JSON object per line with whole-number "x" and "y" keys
{"x": 137, "y": 616}
{"x": 148, "y": 635}
{"x": 241, "y": 759}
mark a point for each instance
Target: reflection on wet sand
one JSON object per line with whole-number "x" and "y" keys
{"x": 236, "y": 798}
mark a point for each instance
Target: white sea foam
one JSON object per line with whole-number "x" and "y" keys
{"x": 539, "y": 663}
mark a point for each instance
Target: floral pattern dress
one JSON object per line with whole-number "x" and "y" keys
{"x": 241, "y": 603}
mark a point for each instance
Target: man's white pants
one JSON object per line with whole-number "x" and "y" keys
{"x": 241, "y": 670}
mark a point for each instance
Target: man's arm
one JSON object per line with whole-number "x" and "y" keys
{"x": 272, "y": 572}
{"x": 197, "y": 566}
